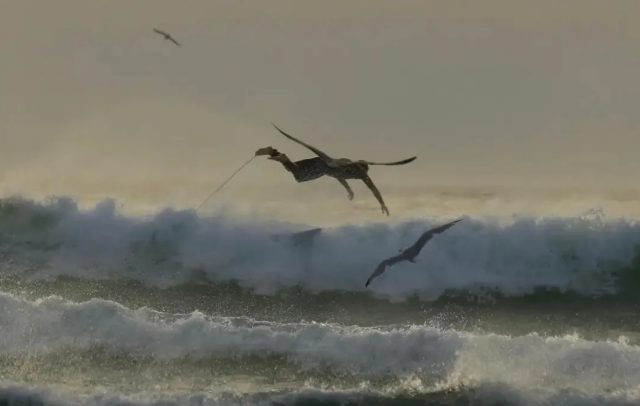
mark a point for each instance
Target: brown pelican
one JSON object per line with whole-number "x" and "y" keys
{"x": 341, "y": 169}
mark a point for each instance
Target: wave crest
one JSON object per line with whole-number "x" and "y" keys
{"x": 589, "y": 255}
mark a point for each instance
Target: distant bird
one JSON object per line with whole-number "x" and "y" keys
{"x": 167, "y": 36}
{"x": 410, "y": 253}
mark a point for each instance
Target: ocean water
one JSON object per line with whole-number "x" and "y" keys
{"x": 98, "y": 307}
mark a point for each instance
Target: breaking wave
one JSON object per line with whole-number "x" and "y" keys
{"x": 51, "y": 340}
{"x": 588, "y": 256}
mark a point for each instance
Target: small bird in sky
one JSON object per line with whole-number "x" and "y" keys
{"x": 166, "y": 36}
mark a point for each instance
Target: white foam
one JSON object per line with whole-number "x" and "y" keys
{"x": 445, "y": 358}
{"x": 513, "y": 257}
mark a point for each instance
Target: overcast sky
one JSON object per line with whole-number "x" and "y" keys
{"x": 540, "y": 93}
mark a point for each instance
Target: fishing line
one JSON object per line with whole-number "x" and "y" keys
{"x": 225, "y": 182}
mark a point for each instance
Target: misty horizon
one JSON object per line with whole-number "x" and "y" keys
{"x": 492, "y": 95}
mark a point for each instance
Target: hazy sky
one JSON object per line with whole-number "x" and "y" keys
{"x": 541, "y": 93}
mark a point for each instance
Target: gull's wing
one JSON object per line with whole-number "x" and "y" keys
{"x": 403, "y": 162}
{"x": 174, "y": 41}
{"x": 383, "y": 267}
{"x": 313, "y": 149}
{"x": 427, "y": 235}
{"x": 160, "y": 32}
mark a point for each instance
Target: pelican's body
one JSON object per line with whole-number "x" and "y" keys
{"x": 410, "y": 253}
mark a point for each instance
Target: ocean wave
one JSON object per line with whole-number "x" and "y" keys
{"x": 486, "y": 395}
{"x": 437, "y": 359}
{"x": 589, "y": 255}
{"x": 547, "y": 313}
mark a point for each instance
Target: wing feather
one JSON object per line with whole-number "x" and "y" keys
{"x": 382, "y": 267}
{"x": 402, "y": 162}
{"x": 342, "y": 162}
{"x": 427, "y": 235}
{"x": 310, "y": 147}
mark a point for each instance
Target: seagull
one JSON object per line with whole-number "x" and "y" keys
{"x": 409, "y": 254}
{"x": 166, "y": 36}
{"x": 341, "y": 162}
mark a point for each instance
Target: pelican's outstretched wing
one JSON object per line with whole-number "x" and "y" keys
{"x": 312, "y": 148}
{"x": 174, "y": 41}
{"x": 362, "y": 161}
{"x": 382, "y": 267}
{"x": 427, "y": 235}
{"x": 160, "y": 32}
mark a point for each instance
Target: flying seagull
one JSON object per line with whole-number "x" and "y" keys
{"x": 166, "y": 36}
{"x": 410, "y": 253}
{"x": 341, "y": 162}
